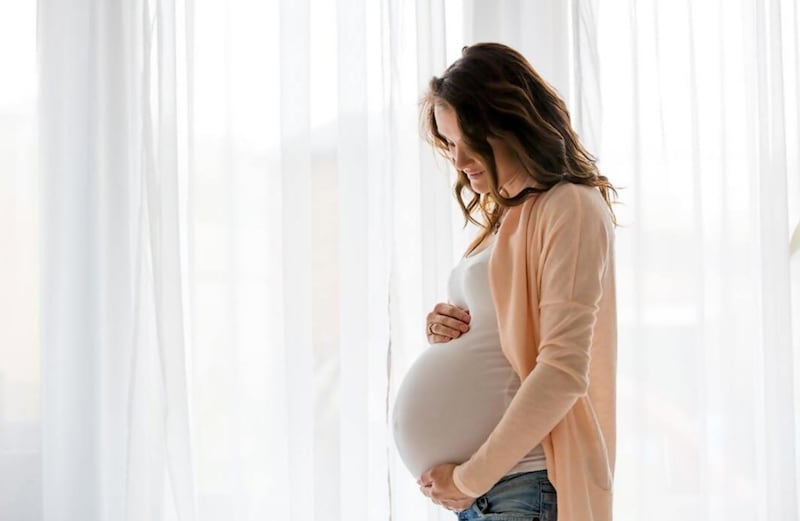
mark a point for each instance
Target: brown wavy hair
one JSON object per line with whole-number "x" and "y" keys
{"x": 495, "y": 92}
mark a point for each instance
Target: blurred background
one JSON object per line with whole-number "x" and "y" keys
{"x": 220, "y": 233}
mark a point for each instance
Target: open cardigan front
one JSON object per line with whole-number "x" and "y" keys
{"x": 552, "y": 280}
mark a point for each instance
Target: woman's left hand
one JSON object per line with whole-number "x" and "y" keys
{"x": 437, "y": 484}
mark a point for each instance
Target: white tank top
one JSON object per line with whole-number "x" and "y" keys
{"x": 455, "y": 393}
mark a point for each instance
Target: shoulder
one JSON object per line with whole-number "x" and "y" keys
{"x": 568, "y": 212}
{"x": 569, "y": 201}
{"x": 566, "y": 195}
{"x": 565, "y": 208}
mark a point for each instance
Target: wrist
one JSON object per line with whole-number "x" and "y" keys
{"x": 459, "y": 483}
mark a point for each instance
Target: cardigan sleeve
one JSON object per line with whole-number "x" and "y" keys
{"x": 567, "y": 267}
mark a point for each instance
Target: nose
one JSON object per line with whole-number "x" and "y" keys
{"x": 461, "y": 159}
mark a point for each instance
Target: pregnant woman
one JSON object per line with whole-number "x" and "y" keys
{"x": 510, "y": 413}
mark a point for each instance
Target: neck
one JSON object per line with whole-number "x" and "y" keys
{"x": 515, "y": 185}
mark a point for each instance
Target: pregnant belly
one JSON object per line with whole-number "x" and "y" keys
{"x": 449, "y": 402}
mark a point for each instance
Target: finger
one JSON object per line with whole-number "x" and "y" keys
{"x": 460, "y": 504}
{"x": 452, "y": 506}
{"x": 456, "y": 506}
{"x": 449, "y": 310}
{"x": 438, "y": 495}
{"x": 454, "y": 325}
{"x": 442, "y": 331}
{"x": 438, "y": 339}
{"x": 463, "y": 505}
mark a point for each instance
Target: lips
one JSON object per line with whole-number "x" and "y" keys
{"x": 473, "y": 174}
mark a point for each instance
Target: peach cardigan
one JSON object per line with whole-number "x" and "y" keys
{"x": 552, "y": 279}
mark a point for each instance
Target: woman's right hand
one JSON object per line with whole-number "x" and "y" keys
{"x": 447, "y": 322}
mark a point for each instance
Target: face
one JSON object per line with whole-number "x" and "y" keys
{"x": 465, "y": 160}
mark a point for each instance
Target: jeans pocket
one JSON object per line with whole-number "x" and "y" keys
{"x": 515, "y": 499}
{"x": 548, "y": 509}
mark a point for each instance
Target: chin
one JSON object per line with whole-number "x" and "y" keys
{"x": 479, "y": 187}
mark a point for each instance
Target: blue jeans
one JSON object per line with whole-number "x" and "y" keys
{"x": 525, "y": 496}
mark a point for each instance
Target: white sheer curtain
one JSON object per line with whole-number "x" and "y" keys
{"x": 239, "y": 233}
{"x": 236, "y": 205}
{"x": 116, "y": 438}
{"x": 693, "y": 110}
{"x": 311, "y": 247}
{"x": 700, "y": 127}
{"x": 20, "y": 444}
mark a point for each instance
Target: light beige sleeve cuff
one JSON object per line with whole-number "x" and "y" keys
{"x": 464, "y": 489}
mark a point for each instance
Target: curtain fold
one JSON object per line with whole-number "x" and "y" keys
{"x": 779, "y": 437}
{"x": 352, "y": 185}
{"x": 310, "y": 176}
{"x": 294, "y": 263}
{"x": 20, "y": 363}
{"x": 698, "y": 132}
{"x": 115, "y": 410}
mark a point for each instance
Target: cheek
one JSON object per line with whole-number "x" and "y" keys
{"x": 503, "y": 158}
{"x": 500, "y": 152}
{"x": 472, "y": 159}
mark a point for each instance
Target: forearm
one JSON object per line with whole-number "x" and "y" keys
{"x": 543, "y": 399}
